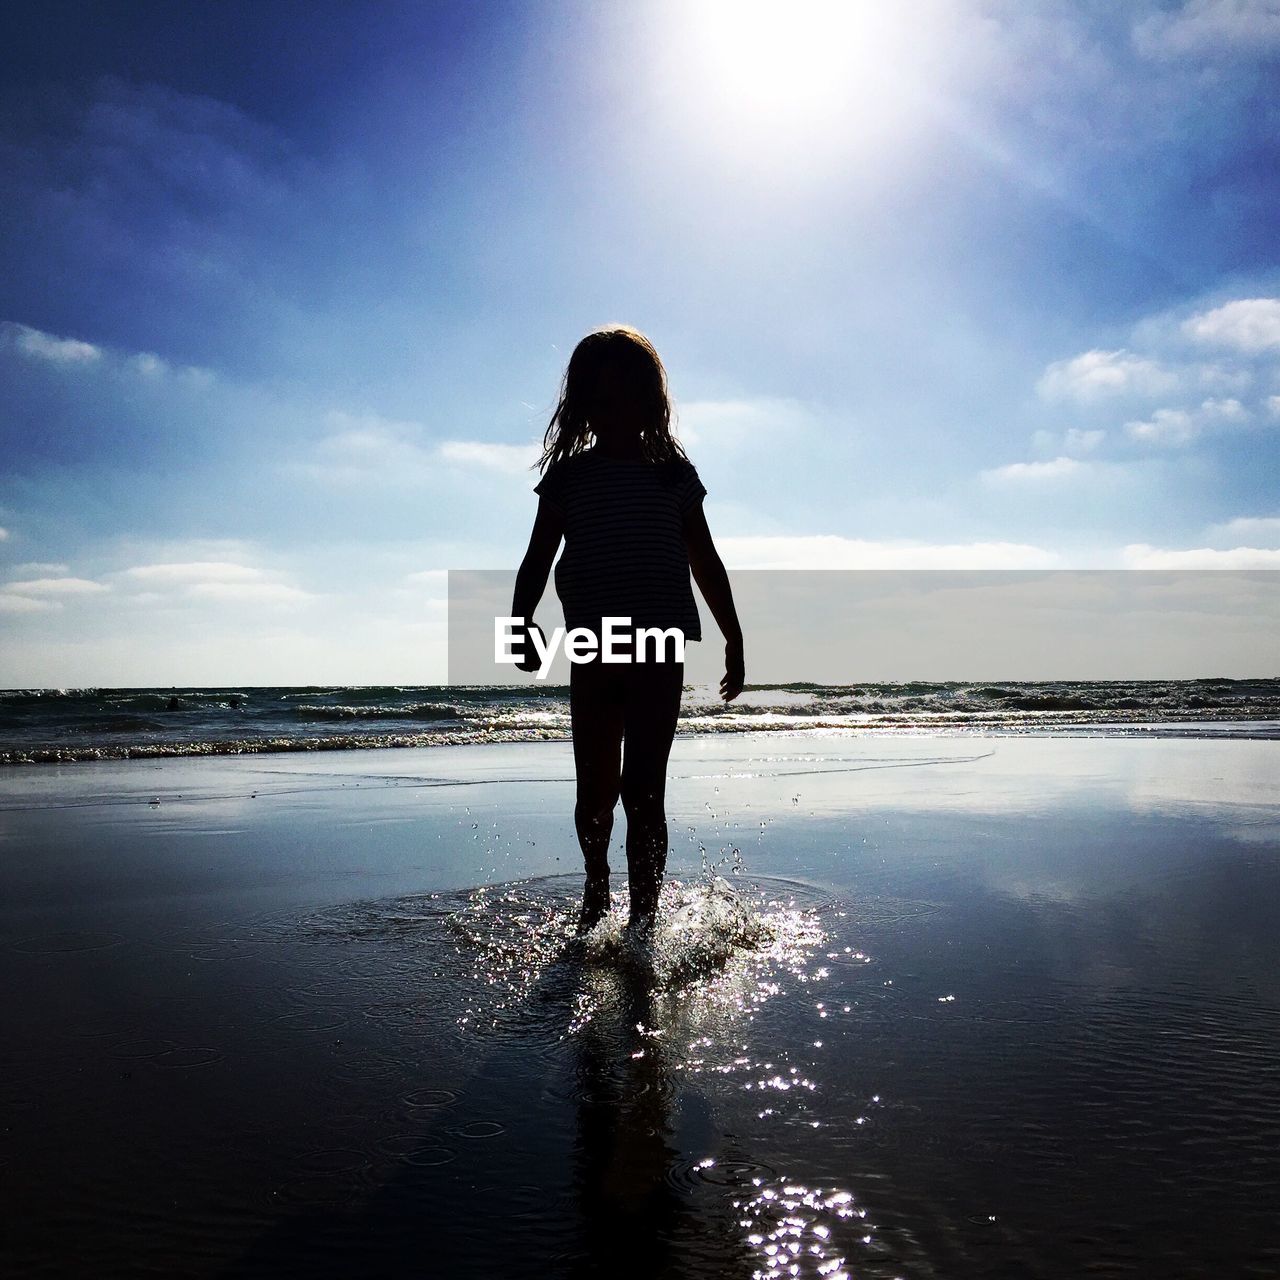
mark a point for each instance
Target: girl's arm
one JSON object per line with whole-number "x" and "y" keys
{"x": 531, "y": 577}
{"x": 709, "y": 573}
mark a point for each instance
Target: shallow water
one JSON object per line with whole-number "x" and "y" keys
{"x": 929, "y": 1010}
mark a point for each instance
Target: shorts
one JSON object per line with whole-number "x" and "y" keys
{"x": 624, "y": 683}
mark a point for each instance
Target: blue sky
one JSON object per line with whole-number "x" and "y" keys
{"x": 286, "y": 291}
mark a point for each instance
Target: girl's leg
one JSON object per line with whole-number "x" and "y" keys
{"x": 596, "y": 716}
{"x": 652, "y": 707}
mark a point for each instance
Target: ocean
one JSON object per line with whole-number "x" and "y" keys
{"x": 54, "y": 725}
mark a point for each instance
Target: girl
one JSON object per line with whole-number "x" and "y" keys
{"x": 619, "y": 489}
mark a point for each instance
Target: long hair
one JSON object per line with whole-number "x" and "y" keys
{"x": 569, "y": 430}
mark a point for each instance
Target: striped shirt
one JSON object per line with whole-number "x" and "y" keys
{"x": 624, "y": 549}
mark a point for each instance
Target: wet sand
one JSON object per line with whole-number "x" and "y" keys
{"x": 956, "y": 1006}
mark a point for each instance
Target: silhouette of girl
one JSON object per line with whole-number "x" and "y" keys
{"x": 620, "y": 490}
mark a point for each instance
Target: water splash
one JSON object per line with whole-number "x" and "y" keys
{"x": 712, "y": 953}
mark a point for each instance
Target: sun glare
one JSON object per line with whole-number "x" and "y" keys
{"x": 807, "y": 80}
{"x": 795, "y": 60}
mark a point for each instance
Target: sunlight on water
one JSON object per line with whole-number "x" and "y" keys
{"x": 790, "y": 1227}
{"x": 719, "y": 952}
{"x": 710, "y": 957}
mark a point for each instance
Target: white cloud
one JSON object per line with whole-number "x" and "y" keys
{"x": 362, "y": 433}
{"x": 42, "y": 567}
{"x": 1097, "y": 375}
{"x": 238, "y": 551}
{"x": 1217, "y": 376}
{"x": 1073, "y": 441}
{"x": 36, "y": 344}
{"x": 1139, "y": 555}
{"x": 438, "y": 578}
{"x": 1257, "y": 528}
{"x": 1248, "y": 325}
{"x": 4, "y": 533}
{"x": 732, "y": 424}
{"x": 1165, "y": 426}
{"x": 1078, "y": 441}
{"x": 249, "y": 592}
{"x": 25, "y": 604}
{"x": 47, "y": 346}
{"x": 1211, "y": 28}
{"x": 57, "y": 587}
{"x": 1181, "y": 426}
{"x": 1229, "y": 410}
{"x": 1058, "y": 468}
{"x": 368, "y": 447}
{"x": 222, "y": 580}
{"x": 511, "y": 458}
{"x": 192, "y": 573}
{"x": 148, "y": 364}
{"x": 830, "y": 551}
{"x": 1187, "y": 397}
{"x": 195, "y": 376}
{"x": 365, "y": 448}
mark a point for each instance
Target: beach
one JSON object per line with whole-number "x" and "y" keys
{"x": 921, "y": 1004}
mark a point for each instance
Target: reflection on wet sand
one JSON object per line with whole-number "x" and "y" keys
{"x": 581, "y": 1135}
{"x": 1007, "y": 1015}
{"x": 629, "y": 1209}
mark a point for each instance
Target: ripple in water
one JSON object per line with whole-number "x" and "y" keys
{"x": 481, "y": 1129}
{"x": 413, "y": 1149}
{"x": 429, "y": 1099}
{"x": 67, "y": 942}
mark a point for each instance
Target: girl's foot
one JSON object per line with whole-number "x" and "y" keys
{"x": 641, "y": 924}
{"x": 595, "y": 905}
{"x": 644, "y": 907}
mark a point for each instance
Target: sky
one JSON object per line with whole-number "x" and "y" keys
{"x": 287, "y": 290}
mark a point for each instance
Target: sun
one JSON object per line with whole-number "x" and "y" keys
{"x": 791, "y": 82}
{"x": 791, "y": 61}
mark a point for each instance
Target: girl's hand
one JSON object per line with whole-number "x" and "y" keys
{"x": 530, "y": 660}
{"x": 734, "y": 675}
